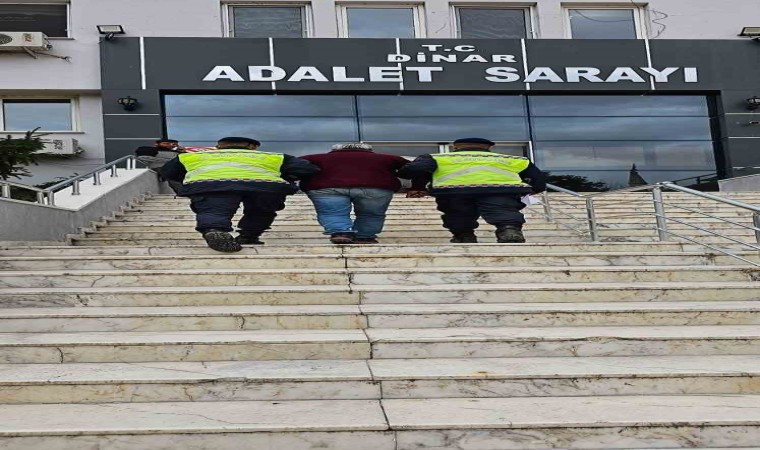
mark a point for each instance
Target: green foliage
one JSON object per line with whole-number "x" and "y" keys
{"x": 16, "y": 153}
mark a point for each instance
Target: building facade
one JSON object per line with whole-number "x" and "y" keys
{"x": 601, "y": 94}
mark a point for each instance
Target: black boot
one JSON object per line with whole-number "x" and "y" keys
{"x": 221, "y": 241}
{"x": 249, "y": 239}
{"x": 467, "y": 237}
{"x": 509, "y": 234}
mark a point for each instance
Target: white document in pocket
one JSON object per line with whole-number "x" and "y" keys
{"x": 531, "y": 200}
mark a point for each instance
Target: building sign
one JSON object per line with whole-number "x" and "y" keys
{"x": 493, "y": 68}
{"x": 427, "y": 65}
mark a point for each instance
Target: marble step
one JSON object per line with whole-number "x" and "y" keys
{"x": 433, "y": 225}
{"x": 324, "y": 247}
{"x": 189, "y": 318}
{"x": 484, "y": 342}
{"x": 318, "y": 239}
{"x": 611, "y": 422}
{"x": 395, "y": 378}
{"x": 587, "y": 274}
{"x": 51, "y": 348}
{"x": 411, "y": 235}
{"x": 262, "y": 317}
{"x": 375, "y": 276}
{"x": 377, "y": 294}
{"x": 239, "y": 261}
{"x": 605, "y": 422}
{"x": 551, "y": 314}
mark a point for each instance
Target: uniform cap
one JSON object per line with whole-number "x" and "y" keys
{"x": 352, "y": 146}
{"x": 474, "y": 141}
{"x": 240, "y": 139}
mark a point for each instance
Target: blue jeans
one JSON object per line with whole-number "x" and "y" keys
{"x": 334, "y": 210}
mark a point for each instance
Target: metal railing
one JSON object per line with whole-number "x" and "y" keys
{"x": 46, "y": 196}
{"x": 664, "y": 233}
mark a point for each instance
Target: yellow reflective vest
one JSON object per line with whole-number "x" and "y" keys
{"x": 232, "y": 165}
{"x": 478, "y": 169}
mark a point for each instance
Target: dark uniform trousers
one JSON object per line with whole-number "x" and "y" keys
{"x": 214, "y": 210}
{"x": 461, "y": 212}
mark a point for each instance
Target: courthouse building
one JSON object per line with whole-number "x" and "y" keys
{"x": 601, "y": 94}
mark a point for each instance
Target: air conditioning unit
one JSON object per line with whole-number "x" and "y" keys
{"x": 12, "y": 41}
{"x": 62, "y": 146}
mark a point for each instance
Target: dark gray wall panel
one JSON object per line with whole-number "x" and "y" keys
{"x": 460, "y": 76}
{"x": 120, "y": 63}
{"x": 324, "y": 54}
{"x": 149, "y": 101}
{"x": 601, "y": 54}
{"x": 132, "y": 127}
{"x": 182, "y": 63}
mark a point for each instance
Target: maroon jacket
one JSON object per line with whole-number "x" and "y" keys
{"x": 354, "y": 169}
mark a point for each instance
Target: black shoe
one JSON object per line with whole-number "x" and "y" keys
{"x": 467, "y": 237}
{"x": 509, "y": 234}
{"x": 342, "y": 238}
{"x": 221, "y": 241}
{"x": 248, "y": 239}
{"x": 366, "y": 241}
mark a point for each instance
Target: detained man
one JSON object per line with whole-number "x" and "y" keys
{"x": 352, "y": 175}
{"x": 155, "y": 157}
{"x": 218, "y": 181}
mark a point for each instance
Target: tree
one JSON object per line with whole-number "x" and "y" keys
{"x": 16, "y": 153}
{"x": 577, "y": 183}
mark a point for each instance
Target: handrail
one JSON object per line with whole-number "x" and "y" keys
{"x": 660, "y": 216}
{"x": 47, "y": 195}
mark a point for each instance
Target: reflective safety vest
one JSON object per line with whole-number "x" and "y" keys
{"x": 232, "y": 165}
{"x": 478, "y": 169}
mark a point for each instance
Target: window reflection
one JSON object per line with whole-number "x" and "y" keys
{"x": 441, "y": 105}
{"x": 380, "y": 22}
{"x": 47, "y": 115}
{"x": 617, "y": 105}
{"x": 622, "y": 155}
{"x": 262, "y": 128}
{"x": 602, "y": 23}
{"x": 443, "y": 129}
{"x": 492, "y": 23}
{"x": 603, "y": 180}
{"x": 260, "y": 105}
{"x": 621, "y": 128}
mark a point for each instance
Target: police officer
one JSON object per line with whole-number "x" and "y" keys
{"x": 472, "y": 182}
{"x": 217, "y": 181}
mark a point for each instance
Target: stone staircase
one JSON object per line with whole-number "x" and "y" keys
{"x": 139, "y": 337}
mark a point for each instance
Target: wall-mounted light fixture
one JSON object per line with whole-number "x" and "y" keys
{"x": 751, "y": 32}
{"x": 753, "y": 103}
{"x": 110, "y": 31}
{"x": 129, "y": 103}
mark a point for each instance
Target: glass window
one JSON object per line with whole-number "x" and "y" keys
{"x": 621, "y": 128}
{"x": 405, "y": 149}
{"x": 443, "y": 129}
{"x": 263, "y": 128}
{"x": 441, "y": 105}
{"x": 49, "y": 19}
{"x": 260, "y": 105}
{"x": 267, "y": 21}
{"x": 618, "y": 105}
{"x": 47, "y": 115}
{"x": 492, "y": 23}
{"x": 604, "y": 180}
{"x": 623, "y": 155}
{"x": 603, "y": 23}
{"x": 380, "y": 22}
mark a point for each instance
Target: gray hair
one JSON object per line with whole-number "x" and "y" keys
{"x": 352, "y": 146}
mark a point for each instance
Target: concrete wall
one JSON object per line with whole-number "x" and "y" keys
{"x": 749, "y": 183}
{"x": 24, "y": 221}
